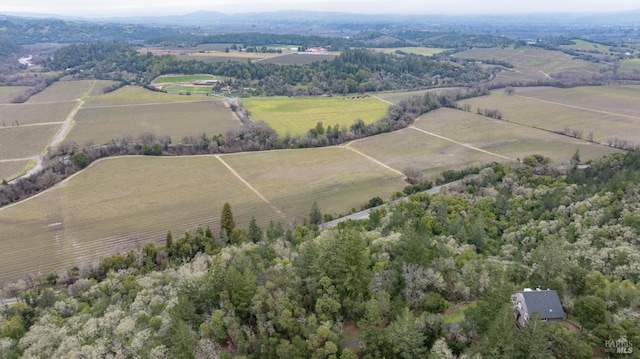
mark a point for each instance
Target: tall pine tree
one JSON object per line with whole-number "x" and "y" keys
{"x": 227, "y": 224}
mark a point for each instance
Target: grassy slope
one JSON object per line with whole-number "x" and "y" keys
{"x": 9, "y": 92}
{"x": 34, "y": 113}
{"x": 298, "y": 115}
{"x": 25, "y": 141}
{"x": 131, "y": 95}
{"x": 63, "y": 91}
{"x": 10, "y": 169}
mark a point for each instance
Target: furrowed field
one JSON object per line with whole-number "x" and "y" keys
{"x": 425, "y": 51}
{"x": 9, "y": 92}
{"x": 31, "y": 113}
{"x": 176, "y": 120}
{"x": 25, "y": 141}
{"x": 532, "y": 64}
{"x": 606, "y": 112}
{"x": 118, "y": 204}
{"x": 298, "y": 115}
{"x": 69, "y": 90}
{"x": 335, "y": 177}
{"x": 10, "y": 169}
{"x": 299, "y": 58}
{"x": 131, "y": 95}
{"x": 507, "y": 139}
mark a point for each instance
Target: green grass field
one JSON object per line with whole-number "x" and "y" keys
{"x": 299, "y": 59}
{"x": 132, "y": 95}
{"x": 7, "y": 93}
{"x": 585, "y": 109}
{"x": 177, "y": 120}
{"x": 195, "y": 89}
{"x": 120, "y": 204}
{"x": 25, "y": 141}
{"x": 335, "y": 177}
{"x": 30, "y": 113}
{"x": 8, "y": 170}
{"x": 298, "y": 115}
{"x": 64, "y": 91}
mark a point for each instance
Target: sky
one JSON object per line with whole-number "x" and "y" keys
{"x": 104, "y": 8}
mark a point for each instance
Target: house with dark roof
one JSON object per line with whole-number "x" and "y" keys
{"x": 544, "y": 302}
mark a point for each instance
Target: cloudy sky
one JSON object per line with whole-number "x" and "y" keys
{"x": 101, "y": 8}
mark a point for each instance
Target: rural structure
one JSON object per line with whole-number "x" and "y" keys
{"x": 544, "y": 302}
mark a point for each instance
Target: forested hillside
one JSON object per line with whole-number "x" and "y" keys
{"x": 398, "y": 276}
{"x": 355, "y": 70}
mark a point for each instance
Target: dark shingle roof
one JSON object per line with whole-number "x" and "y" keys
{"x": 545, "y": 302}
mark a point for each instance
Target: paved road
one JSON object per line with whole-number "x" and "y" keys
{"x": 365, "y": 214}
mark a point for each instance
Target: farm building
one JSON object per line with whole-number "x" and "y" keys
{"x": 545, "y": 302}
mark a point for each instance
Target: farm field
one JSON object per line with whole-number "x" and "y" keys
{"x": 176, "y": 120}
{"x": 7, "y": 93}
{"x": 64, "y": 91}
{"x": 410, "y": 148}
{"x": 25, "y": 141}
{"x": 182, "y": 78}
{"x": 299, "y": 59}
{"x": 32, "y": 113}
{"x": 583, "y": 45}
{"x": 507, "y": 139}
{"x": 120, "y": 204}
{"x": 425, "y": 51}
{"x": 298, "y": 115}
{"x": 566, "y": 111}
{"x": 10, "y": 169}
{"x": 396, "y": 97}
{"x": 335, "y": 177}
{"x": 133, "y": 95}
{"x": 532, "y": 64}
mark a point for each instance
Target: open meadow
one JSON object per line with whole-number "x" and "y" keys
{"x": 119, "y": 204}
{"x": 298, "y": 115}
{"x": 176, "y": 120}
{"x": 299, "y": 58}
{"x": 335, "y": 177}
{"x": 531, "y": 64}
{"x": 630, "y": 67}
{"x": 396, "y": 96}
{"x": 585, "y": 109}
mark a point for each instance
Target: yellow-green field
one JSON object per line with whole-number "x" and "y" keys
{"x": 425, "y": 51}
{"x": 182, "y": 78}
{"x": 176, "y": 120}
{"x": 335, "y": 177}
{"x": 532, "y": 64}
{"x": 7, "y": 93}
{"x": 25, "y": 141}
{"x": 119, "y": 204}
{"x": 298, "y": 115}
{"x": 132, "y": 95}
{"x": 8, "y": 170}
{"x": 586, "y": 109}
{"x": 64, "y": 91}
{"x": 30, "y": 113}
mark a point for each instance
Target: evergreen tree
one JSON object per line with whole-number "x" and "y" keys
{"x": 169, "y": 240}
{"x": 315, "y": 217}
{"x": 227, "y": 224}
{"x": 255, "y": 233}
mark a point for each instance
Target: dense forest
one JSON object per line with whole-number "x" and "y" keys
{"x": 273, "y": 292}
{"x": 355, "y": 70}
